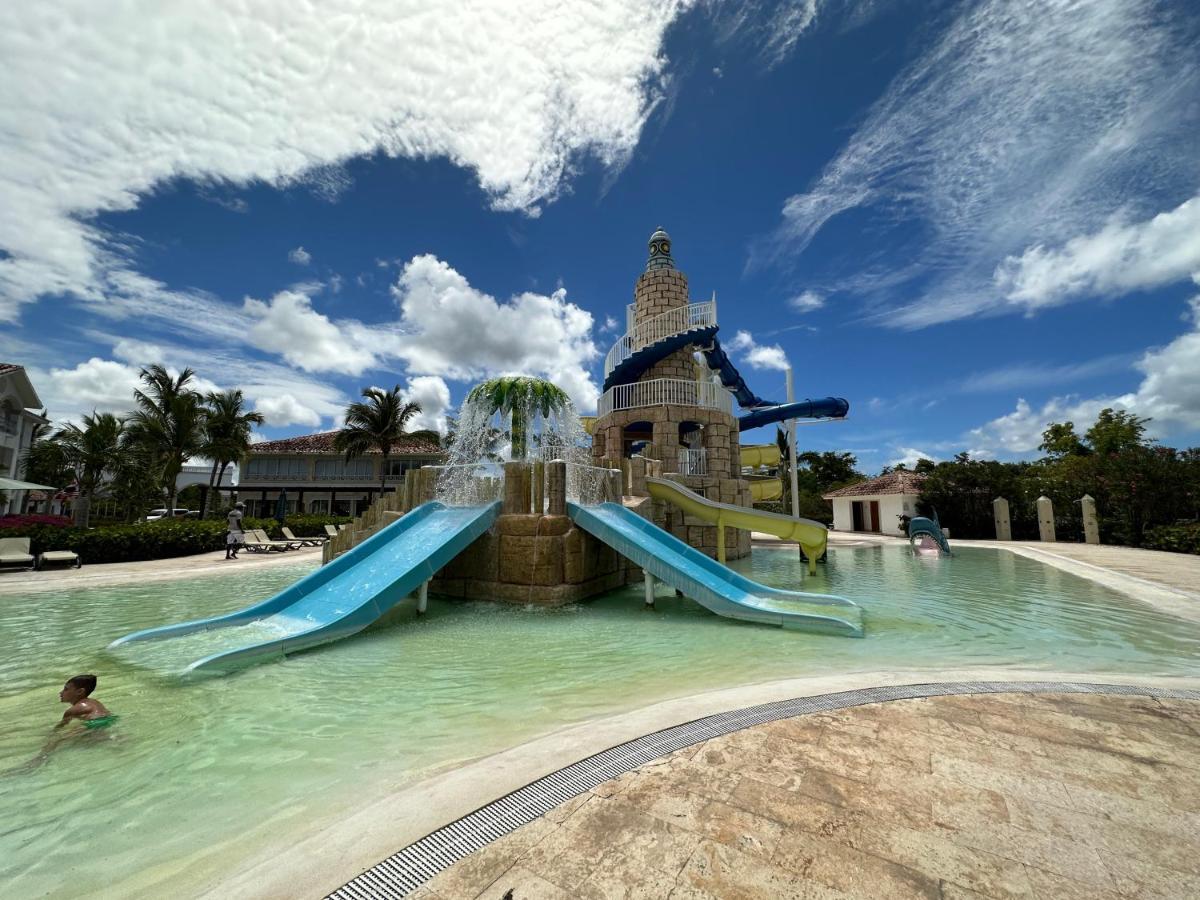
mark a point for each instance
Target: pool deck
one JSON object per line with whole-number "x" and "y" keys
{"x": 108, "y": 574}
{"x": 978, "y": 796}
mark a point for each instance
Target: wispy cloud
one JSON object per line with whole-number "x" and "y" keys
{"x": 1023, "y": 376}
{"x": 1023, "y": 124}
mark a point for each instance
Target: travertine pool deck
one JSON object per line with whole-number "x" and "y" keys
{"x": 1058, "y": 796}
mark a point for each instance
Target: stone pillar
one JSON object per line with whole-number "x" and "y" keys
{"x": 428, "y": 483}
{"x": 1091, "y": 525}
{"x": 1045, "y": 510}
{"x": 556, "y": 488}
{"x": 637, "y": 477}
{"x": 1003, "y": 523}
{"x": 516, "y": 498}
{"x": 616, "y": 486}
{"x": 626, "y": 475}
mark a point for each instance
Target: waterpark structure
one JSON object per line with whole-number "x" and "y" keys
{"x": 652, "y": 492}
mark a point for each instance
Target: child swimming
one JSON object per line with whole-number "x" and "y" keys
{"x": 77, "y": 691}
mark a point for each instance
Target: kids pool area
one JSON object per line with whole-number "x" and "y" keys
{"x": 198, "y": 777}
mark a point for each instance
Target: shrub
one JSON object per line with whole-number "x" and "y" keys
{"x": 28, "y": 519}
{"x": 1182, "y": 538}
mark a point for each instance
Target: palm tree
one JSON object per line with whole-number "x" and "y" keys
{"x": 376, "y": 424}
{"x": 226, "y": 434}
{"x": 45, "y": 460}
{"x": 92, "y": 452}
{"x": 168, "y": 423}
{"x": 521, "y": 398}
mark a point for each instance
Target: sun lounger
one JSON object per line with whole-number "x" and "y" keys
{"x": 305, "y": 541}
{"x": 15, "y": 552}
{"x": 55, "y": 557}
{"x": 331, "y": 531}
{"x": 262, "y": 538}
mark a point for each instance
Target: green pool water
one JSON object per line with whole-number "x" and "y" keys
{"x": 197, "y": 777}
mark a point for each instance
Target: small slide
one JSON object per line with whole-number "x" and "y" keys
{"x": 339, "y": 599}
{"x": 755, "y": 455}
{"x": 811, "y": 536}
{"x": 716, "y": 587}
{"x": 926, "y": 538}
{"x": 764, "y": 489}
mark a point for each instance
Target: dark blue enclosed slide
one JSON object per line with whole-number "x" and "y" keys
{"x": 342, "y": 597}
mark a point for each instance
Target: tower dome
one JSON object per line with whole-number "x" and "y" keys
{"x": 660, "y": 251}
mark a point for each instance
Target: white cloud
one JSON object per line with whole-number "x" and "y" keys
{"x": 806, "y": 301}
{"x": 299, "y": 256}
{"x": 434, "y": 396}
{"x": 453, "y": 330}
{"x": 760, "y": 356}
{"x": 1117, "y": 259}
{"x": 108, "y": 101}
{"x": 1167, "y": 395}
{"x": 285, "y": 409}
{"x": 610, "y": 325}
{"x": 288, "y": 325}
{"x": 1027, "y": 375}
{"x": 138, "y": 353}
{"x": 910, "y": 456}
{"x": 99, "y": 385}
{"x": 1021, "y": 125}
{"x": 772, "y": 30}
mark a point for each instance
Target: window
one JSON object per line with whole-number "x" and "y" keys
{"x": 340, "y": 468}
{"x": 277, "y": 467}
{"x": 341, "y": 507}
{"x": 9, "y": 417}
{"x": 318, "y": 507}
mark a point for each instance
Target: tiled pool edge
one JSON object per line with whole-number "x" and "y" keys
{"x": 409, "y": 868}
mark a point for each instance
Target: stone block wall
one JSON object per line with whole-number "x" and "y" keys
{"x": 721, "y": 437}
{"x": 656, "y": 292}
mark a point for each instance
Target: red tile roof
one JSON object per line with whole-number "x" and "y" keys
{"x": 898, "y": 482}
{"x": 5, "y": 368}
{"x": 322, "y": 442}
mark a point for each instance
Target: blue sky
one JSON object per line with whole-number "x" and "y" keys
{"x": 969, "y": 219}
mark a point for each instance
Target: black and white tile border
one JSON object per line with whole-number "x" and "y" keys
{"x": 408, "y": 869}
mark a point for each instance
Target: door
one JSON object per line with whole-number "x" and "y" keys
{"x": 876, "y": 525}
{"x": 856, "y": 508}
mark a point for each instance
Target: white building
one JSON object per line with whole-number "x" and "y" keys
{"x": 876, "y": 505}
{"x": 315, "y": 478}
{"x": 17, "y": 425}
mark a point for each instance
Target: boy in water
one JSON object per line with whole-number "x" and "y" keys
{"x": 77, "y": 691}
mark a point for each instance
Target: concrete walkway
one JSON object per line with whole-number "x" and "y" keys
{"x": 988, "y": 796}
{"x": 201, "y": 564}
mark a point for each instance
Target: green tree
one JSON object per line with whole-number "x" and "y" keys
{"x": 1060, "y": 440}
{"x": 376, "y": 424}
{"x": 92, "y": 453}
{"x": 521, "y": 398}
{"x": 44, "y": 461}
{"x": 168, "y": 424}
{"x": 1116, "y": 431}
{"x": 831, "y": 469}
{"x": 227, "y": 430}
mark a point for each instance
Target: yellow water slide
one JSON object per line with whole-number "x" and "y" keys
{"x": 811, "y": 536}
{"x": 755, "y": 455}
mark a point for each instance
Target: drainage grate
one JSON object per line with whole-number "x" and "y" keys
{"x": 408, "y": 869}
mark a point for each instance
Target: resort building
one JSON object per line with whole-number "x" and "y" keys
{"x": 877, "y": 505}
{"x": 315, "y": 478}
{"x": 17, "y": 427}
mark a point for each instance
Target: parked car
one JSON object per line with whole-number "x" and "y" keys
{"x": 155, "y": 514}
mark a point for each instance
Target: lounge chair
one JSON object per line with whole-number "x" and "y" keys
{"x": 54, "y": 557}
{"x": 263, "y": 539}
{"x": 15, "y": 552}
{"x": 304, "y": 541}
{"x": 331, "y": 531}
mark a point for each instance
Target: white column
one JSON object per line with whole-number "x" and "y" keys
{"x": 1045, "y": 511}
{"x": 1001, "y": 517}
{"x": 1091, "y": 525}
{"x": 792, "y": 445}
{"x": 423, "y": 597}
{"x": 649, "y": 588}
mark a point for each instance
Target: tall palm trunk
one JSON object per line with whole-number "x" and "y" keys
{"x": 383, "y": 473}
{"x": 212, "y": 479}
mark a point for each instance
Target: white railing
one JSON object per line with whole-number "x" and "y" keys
{"x": 673, "y": 321}
{"x": 693, "y": 462}
{"x": 665, "y": 392}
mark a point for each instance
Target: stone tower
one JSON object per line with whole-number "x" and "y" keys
{"x": 660, "y": 406}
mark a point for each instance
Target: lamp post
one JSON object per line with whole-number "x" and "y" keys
{"x": 792, "y": 447}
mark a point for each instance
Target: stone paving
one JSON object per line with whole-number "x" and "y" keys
{"x": 1069, "y": 796}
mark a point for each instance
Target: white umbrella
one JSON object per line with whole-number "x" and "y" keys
{"x": 8, "y": 484}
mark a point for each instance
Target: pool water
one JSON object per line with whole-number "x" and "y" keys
{"x": 199, "y": 776}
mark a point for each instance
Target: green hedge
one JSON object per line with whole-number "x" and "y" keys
{"x": 1175, "y": 538}
{"x": 163, "y": 539}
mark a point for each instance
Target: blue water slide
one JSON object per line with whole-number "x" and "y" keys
{"x": 716, "y": 587}
{"x": 342, "y": 597}
{"x": 919, "y": 526}
{"x": 634, "y": 366}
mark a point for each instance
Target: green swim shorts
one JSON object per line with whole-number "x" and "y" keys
{"x": 102, "y": 722}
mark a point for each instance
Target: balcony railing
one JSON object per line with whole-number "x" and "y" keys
{"x": 673, "y": 321}
{"x": 693, "y": 462}
{"x": 665, "y": 392}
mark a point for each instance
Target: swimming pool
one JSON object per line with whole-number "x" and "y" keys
{"x": 199, "y": 777}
